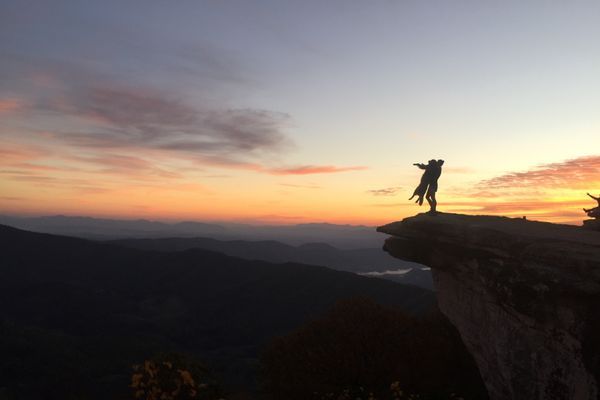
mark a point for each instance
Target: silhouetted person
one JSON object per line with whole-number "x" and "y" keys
{"x": 422, "y": 188}
{"x": 429, "y": 183}
{"x": 433, "y": 185}
{"x": 593, "y": 212}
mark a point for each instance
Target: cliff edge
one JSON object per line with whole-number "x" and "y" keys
{"x": 525, "y": 297}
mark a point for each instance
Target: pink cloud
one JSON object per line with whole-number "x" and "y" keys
{"x": 126, "y": 165}
{"x": 41, "y": 167}
{"x": 391, "y": 191}
{"x": 312, "y": 169}
{"x": 532, "y": 193}
{"x": 574, "y": 174}
{"x": 10, "y": 105}
{"x": 13, "y": 153}
{"x": 565, "y": 211}
{"x": 102, "y": 116}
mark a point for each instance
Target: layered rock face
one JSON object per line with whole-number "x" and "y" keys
{"x": 525, "y": 297}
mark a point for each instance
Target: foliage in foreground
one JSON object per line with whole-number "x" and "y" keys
{"x": 173, "y": 377}
{"x": 176, "y": 377}
{"x": 359, "y": 347}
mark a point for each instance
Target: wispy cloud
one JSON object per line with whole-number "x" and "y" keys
{"x": 134, "y": 118}
{"x": 201, "y": 60}
{"x": 48, "y": 181}
{"x": 554, "y": 191}
{"x": 11, "y": 153}
{"x": 312, "y": 169}
{"x": 104, "y": 115}
{"x": 12, "y": 198}
{"x": 391, "y": 191}
{"x": 10, "y": 105}
{"x": 309, "y": 186}
{"x": 125, "y": 165}
{"x": 159, "y": 120}
{"x": 567, "y": 211}
{"x": 575, "y": 174}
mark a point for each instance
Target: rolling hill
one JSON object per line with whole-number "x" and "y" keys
{"x": 352, "y": 260}
{"x": 76, "y": 313}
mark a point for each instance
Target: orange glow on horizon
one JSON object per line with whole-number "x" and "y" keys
{"x": 153, "y": 184}
{"x": 195, "y": 202}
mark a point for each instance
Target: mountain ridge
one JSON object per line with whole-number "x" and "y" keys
{"x": 352, "y": 260}
{"x": 109, "y": 307}
{"x": 342, "y": 236}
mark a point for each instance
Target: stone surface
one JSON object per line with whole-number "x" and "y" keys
{"x": 525, "y": 297}
{"x": 593, "y": 224}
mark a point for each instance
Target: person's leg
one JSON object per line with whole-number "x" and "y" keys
{"x": 432, "y": 202}
{"x": 430, "y": 196}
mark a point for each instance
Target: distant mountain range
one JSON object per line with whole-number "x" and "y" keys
{"x": 341, "y": 236}
{"x": 353, "y": 260}
{"x": 357, "y": 256}
{"x": 369, "y": 262}
{"x": 75, "y": 314}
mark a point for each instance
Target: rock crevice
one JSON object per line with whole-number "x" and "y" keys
{"x": 525, "y": 297}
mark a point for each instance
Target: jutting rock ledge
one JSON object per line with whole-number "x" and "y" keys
{"x": 525, "y": 297}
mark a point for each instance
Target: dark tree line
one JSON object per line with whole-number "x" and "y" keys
{"x": 360, "y": 346}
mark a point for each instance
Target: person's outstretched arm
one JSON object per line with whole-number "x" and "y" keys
{"x": 595, "y": 198}
{"x": 422, "y": 166}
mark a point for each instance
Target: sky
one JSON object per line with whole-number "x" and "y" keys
{"x": 289, "y": 112}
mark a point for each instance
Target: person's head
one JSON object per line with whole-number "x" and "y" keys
{"x": 440, "y": 162}
{"x": 431, "y": 162}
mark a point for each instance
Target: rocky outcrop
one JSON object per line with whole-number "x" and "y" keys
{"x": 525, "y": 297}
{"x": 593, "y": 224}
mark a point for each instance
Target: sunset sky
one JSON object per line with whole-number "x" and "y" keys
{"x": 298, "y": 111}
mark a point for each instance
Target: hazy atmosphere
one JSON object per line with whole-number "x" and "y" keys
{"x": 290, "y": 112}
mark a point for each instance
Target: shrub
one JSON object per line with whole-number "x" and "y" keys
{"x": 359, "y": 348}
{"x": 173, "y": 377}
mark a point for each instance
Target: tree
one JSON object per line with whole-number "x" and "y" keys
{"x": 360, "y": 346}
